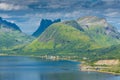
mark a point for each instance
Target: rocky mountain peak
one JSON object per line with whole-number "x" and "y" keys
{"x": 43, "y": 25}
{"x": 8, "y": 25}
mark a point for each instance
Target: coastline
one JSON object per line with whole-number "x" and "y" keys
{"x": 88, "y": 68}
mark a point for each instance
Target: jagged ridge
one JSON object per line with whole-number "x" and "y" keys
{"x": 44, "y": 25}
{"x": 6, "y": 24}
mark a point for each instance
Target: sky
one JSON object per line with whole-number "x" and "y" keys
{"x": 28, "y": 13}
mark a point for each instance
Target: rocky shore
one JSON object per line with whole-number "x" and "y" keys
{"x": 105, "y": 66}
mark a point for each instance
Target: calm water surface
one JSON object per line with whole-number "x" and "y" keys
{"x": 26, "y": 68}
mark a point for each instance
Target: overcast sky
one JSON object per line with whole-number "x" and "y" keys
{"x": 28, "y": 13}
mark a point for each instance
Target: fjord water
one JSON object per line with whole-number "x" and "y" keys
{"x": 28, "y": 68}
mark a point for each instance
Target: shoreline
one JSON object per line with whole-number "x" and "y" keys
{"x": 87, "y": 68}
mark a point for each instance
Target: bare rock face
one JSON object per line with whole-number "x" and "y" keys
{"x": 44, "y": 24}
{"x": 98, "y": 25}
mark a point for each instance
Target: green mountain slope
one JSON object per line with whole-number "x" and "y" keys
{"x": 85, "y": 35}
{"x": 11, "y": 36}
{"x": 111, "y": 52}
{"x": 60, "y": 38}
{"x": 100, "y": 31}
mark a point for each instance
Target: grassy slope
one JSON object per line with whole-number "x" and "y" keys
{"x": 99, "y": 31}
{"x": 63, "y": 39}
{"x": 112, "y": 52}
{"x": 60, "y": 38}
{"x": 10, "y": 39}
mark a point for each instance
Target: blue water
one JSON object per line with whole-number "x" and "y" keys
{"x": 27, "y": 68}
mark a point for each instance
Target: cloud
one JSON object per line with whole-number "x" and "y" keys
{"x": 28, "y": 13}
{"x": 112, "y": 14}
{"x": 9, "y": 7}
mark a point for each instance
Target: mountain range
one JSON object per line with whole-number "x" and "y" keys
{"x": 90, "y": 36}
{"x": 79, "y": 37}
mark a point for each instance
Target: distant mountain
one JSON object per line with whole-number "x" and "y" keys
{"x": 98, "y": 25}
{"x": 6, "y": 24}
{"x": 75, "y": 37}
{"x": 44, "y": 25}
{"x": 11, "y": 35}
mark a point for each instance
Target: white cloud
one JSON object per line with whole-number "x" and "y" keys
{"x": 8, "y": 7}
{"x": 112, "y": 14}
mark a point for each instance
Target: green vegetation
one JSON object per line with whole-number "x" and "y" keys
{"x": 113, "y": 69}
{"x": 10, "y": 39}
{"x": 90, "y": 38}
{"x": 59, "y": 37}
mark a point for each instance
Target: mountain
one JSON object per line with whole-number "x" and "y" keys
{"x": 99, "y": 30}
{"x": 99, "y": 25}
{"x": 59, "y": 37}
{"x": 6, "y": 24}
{"x": 44, "y": 25}
{"x": 11, "y": 35}
{"x": 76, "y": 37}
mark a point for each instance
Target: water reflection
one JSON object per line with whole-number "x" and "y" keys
{"x": 24, "y": 68}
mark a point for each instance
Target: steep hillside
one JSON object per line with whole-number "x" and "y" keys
{"x": 11, "y": 35}
{"x": 85, "y": 35}
{"x": 96, "y": 24}
{"x": 100, "y": 31}
{"x": 44, "y": 25}
{"x": 60, "y": 38}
